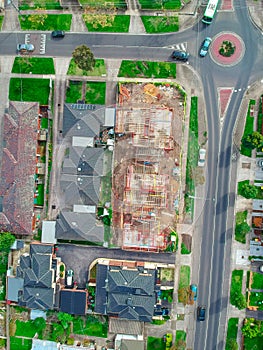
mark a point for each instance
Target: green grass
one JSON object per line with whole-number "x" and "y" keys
{"x": 146, "y": 69}
{"x": 35, "y": 65}
{"x": 47, "y": 4}
{"x": 257, "y": 281}
{"x": 231, "y": 330}
{"x": 74, "y": 92}
{"x": 26, "y": 329}
{"x": 256, "y": 299}
{"x": 253, "y": 344}
{"x": 96, "y": 93}
{"x": 27, "y": 89}
{"x": 184, "y": 276}
{"x": 39, "y": 200}
{"x": 192, "y": 155}
{"x": 99, "y": 69}
{"x": 1, "y": 21}
{"x": 120, "y": 4}
{"x": 260, "y": 115}
{"x": 158, "y": 5}
{"x": 92, "y": 326}
{"x": 240, "y": 185}
{"x": 236, "y": 285}
{"x": 241, "y": 217}
{"x": 180, "y": 338}
{"x": 44, "y": 123}
{"x": 119, "y": 24}
{"x": 167, "y": 295}
{"x": 160, "y": 24}
{"x": 52, "y": 22}
{"x": 154, "y": 343}
{"x": 20, "y": 343}
{"x": 249, "y": 128}
{"x": 184, "y": 249}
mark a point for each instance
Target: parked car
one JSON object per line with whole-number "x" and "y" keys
{"x": 205, "y": 46}
{"x": 201, "y": 313}
{"x": 260, "y": 163}
{"x": 261, "y": 268}
{"x": 70, "y": 274}
{"x": 193, "y": 289}
{"x": 25, "y": 48}
{"x": 201, "y": 159}
{"x": 58, "y": 34}
{"x": 180, "y": 55}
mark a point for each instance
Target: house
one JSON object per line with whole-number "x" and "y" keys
{"x": 20, "y": 135}
{"x": 35, "y": 283}
{"x": 126, "y": 292}
{"x": 73, "y": 301}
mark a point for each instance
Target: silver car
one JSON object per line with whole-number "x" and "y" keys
{"x": 205, "y": 46}
{"x": 24, "y": 48}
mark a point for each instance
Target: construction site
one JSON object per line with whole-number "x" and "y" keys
{"x": 147, "y": 166}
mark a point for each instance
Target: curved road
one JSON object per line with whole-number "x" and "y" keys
{"x": 217, "y": 231}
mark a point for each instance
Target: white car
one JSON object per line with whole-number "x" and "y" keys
{"x": 202, "y": 154}
{"x": 25, "y": 48}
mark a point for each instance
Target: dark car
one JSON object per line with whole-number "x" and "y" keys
{"x": 201, "y": 313}
{"x": 180, "y": 55}
{"x": 58, "y": 34}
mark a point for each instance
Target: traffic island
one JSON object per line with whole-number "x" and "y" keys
{"x": 227, "y": 49}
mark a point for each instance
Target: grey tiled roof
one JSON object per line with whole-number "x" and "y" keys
{"x": 73, "y": 301}
{"x": 38, "y": 298}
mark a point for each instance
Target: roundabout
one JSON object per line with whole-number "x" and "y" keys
{"x": 237, "y": 52}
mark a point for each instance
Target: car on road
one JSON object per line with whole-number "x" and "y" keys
{"x": 193, "y": 289}
{"x": 201, "y": 159}
{"x": 205, "y": 46}
{"x": 201, "y": 313}
{"x": 261, "y": 268}
{"x": 25, "y": 48}
{"x": 58, "y": 34}
{"x": 180, "y": 55}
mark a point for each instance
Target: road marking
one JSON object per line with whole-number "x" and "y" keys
{"x": 42, "y": 49}
{"x": 180, "y": 46}
{"x": 27, "y": 38}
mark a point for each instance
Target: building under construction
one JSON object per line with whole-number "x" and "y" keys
{"x": 147, "y": 170}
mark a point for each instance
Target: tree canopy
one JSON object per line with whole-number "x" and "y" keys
{"x": 6, "y": 240}
{"x": 253, "y": 140}
{"x": 83, "y": 57}
{"x": 249, "y": 191}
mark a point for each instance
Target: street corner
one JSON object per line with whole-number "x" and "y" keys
{"x": 227, "y": 49}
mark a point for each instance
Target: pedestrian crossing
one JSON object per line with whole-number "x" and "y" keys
{"x": 180, "y": 46}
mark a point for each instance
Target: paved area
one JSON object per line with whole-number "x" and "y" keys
{"x": 236, "y": 41}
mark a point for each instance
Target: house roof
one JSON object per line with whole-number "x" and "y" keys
{"x": 38, "y": 344}
{"x": 79, "y": 226}
{"x": 18, "y": 170}
{"x": 48, "y": 232}
{"x": 73, "y": 301}
{"x": 117, "y": 325}
{"x": 14, "y": 284}
{"x": 130, "y": 344}
{"x": 256, "y": 248}
{"x": 257, "y": 204}
{"x": 126, "y": 293}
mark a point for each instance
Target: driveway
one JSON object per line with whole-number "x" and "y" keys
{"x": 79, "y": 258}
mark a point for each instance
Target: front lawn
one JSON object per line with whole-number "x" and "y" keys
{"x": 253, "y": 344}
{"x": 257, "y": 281}
{"x": 167, "y": 294}
{"x": 242, "y": 227}
{"x": 20, "y": 343}
{"x": 154, "y": 343}
{"x": 184, "y": 276}
{"x": 34, "y": 65}
{"x": 180, "y": 339}
{"x": 147, "y": 69}
{"x": 236, "y": 297}
{"x": 74, "y": 91}
{"x": 95, "y": 93}
{"x": 51, "y": 22}
{"x": 119, "y": 4}
{"x": 240, "y": 185}
{"x": 231, "y": 332}
{"x": 27, "y": 89}
{"x": 111, "y": 23}
{"x": 256, "y": 299}
{"x": 98, "y": 70}
{"x": 159, "y": 5}
{"x": 160, "y": 24}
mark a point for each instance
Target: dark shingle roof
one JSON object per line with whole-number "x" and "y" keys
{"x": 73, "y": 301}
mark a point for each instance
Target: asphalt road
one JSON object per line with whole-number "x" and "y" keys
{"x": 217, "y": 222}
{"x": 79, "y": 258}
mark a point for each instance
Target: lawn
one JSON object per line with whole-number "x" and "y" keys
{"x": 240, "y": 185}
{"x": 167, "y": 274}
{"x": 147, "y": 69}
{"x": 253, "y": 344}
{"x": 154, "y": 343}
{"x": 249, "y": 128}
{"x": 192, "y": 155}
{"x": 51, "y": 22}
{"x": 34, "y": 65}
{"x": 93, "y": 326}
{"x": 236, "y": 285}
{"x": 256, "y": 299}
{"x": 158, "y": 5}
{"x": 231, "y": 331}
{"x": 167, "y": 295}
{"x": 184, "y": 276}
{"x": 1, "y": 21}
{"x": 111, "y": 23}
{"x": 100, "y": 3}
{"x": 48, "y": 4}
{"x": 20, "y": 343}
{"x": 74, "y": 91}
{"x": 44, "y": 123}
{"x": 160, "y": 24}
{"x": 27, "y": 89}
{"x": 26, "y": 329}
{"x": 257, "y": 281}
{"x": 180, "y": 338}
{"x": 98, "y": 70}
{"x": 95, "y": 93}
{"x": 241, "y": 217}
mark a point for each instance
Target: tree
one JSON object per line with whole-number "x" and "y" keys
{"x": 64, "y": 319}
{"x": 83, "y": 57}
{"x": 241, "y": 230}
{"x": 248, "y": 191}
{"x": 252, "y": 328}
{"x": 40, "y": 325}
{"x": 253, "y": 140}
{"x": 6, "y": 240}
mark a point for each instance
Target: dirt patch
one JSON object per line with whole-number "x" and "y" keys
{"x": 187, "y": 240}
{"x": 246, "y": 165}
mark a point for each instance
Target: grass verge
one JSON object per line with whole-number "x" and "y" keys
{"x": 51, "y": 22}
{"x": 249, "y": 128}
{"x": 146, "y": 69}
{"x": 160, "y": 24}
{"x": 231, "y": 332}
{"x": 184, "y": 276}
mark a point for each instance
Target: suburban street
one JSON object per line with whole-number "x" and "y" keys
{"x": 217, "y": 223}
